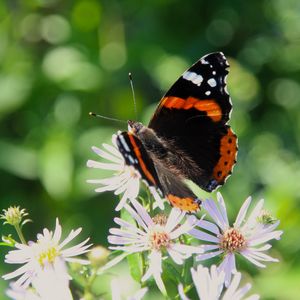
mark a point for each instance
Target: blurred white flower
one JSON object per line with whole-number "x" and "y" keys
{"x": 246, "y": 237}
{"x": 155, "y": 235}
{"x": 210, "y": 285}
{"x": 45, "y": 256}
{"x": 126, "y": 179}
{"x": 17, "y": 292}
{"x": 49, "y": 284}
{"x": 116, "y": 295}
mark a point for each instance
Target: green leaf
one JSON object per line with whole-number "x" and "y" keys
{"x": 136, "y": 266}
{"x": 171, "y": 273}
{"x": 188, "y": 264}
{"x": 126, "y": 216}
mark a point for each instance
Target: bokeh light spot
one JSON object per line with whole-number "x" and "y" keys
{"x": 30, "y": 27}
{"x": 168, "y": 69}
{"x": 242, "y": 84}
{"x": 285, "y": 92}
{"x": 14, "y": 91}
{"x": 70, "y": 67}
{"x": 86, "y": 14}
{"x": 219, "y": 32}
{"x": 113, "y": 56}
{"x": 67, "y": 110}
{"x": 55, "y": 29}
{"x": 56, "y": 163}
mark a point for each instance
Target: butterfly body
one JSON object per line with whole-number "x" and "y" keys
{"x": 188, "y": 136}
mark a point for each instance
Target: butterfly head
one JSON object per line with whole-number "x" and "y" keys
{"x": 134, "y": 127}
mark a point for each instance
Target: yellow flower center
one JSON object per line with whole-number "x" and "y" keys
{"x": 48, "y": 256}
{"x": 232, "y": 240}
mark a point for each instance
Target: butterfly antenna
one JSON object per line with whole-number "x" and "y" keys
{"x": 106, "y": 118}
{"x": 133, "y": 94}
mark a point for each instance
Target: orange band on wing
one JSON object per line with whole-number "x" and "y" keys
{"x": 186, "y": 204}
{"x": 139, "y": 157}
{"x": 228, "y": 152}
{"x": 210, "y": 106}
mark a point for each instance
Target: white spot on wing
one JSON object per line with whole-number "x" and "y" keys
{"x": 212, "y": 82}
{"x": 207, "y": 93}
{"x": 214, "y": 72}
{"x": 132, "y": 160}
{"x": 193, "y": 77}
{"x": 124, "y": 144}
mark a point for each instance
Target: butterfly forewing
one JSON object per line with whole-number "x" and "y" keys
{"x": 193, "y": 115}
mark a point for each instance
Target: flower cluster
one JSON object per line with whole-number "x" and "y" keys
{"x": 160, "y": 235}
{"x": 43, "y": 274}
{"x": 160, "y": 243}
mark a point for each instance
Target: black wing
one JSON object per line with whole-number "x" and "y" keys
{"x": 193, "y": 116}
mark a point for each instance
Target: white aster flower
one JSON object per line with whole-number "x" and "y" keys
{"x": 116, "y": 295}
{"x": 49, "y": 284}
{"x": 45, "y": 255}
{"x": 247, "y": 237}
{"x": 210, "y": 285}
{"x": 126, "y": 179}
{"x": 157, "y": 235}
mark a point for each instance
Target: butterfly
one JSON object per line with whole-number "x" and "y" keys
{"x": 188, "y": 136}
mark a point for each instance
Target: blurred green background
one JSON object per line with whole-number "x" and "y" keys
{"x": 61, "y": 59}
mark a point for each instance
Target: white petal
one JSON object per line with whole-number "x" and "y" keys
{"x": 136, "y": 216}
{"x": 70, "y": 237}
{"x": 208, "y": 255}
{"x": 188, "y": 249}
{"x": 128, "y": 226}
{"x": 266, "y": 237}
{"x": 112, "y": 150}
{"x": 122, "y": 202}
{"x": 242, "y": 213}
{"x": 142, "y": 212}
{"x": 139, "y": 294}
{"x": 181, "y": 292}
{"x": 177, "y": 257}
{"x": 24, "y": 269}
{"x": 222, "y": 207}
{"x": 57, "y": 232}
{"x": 251, "y": 259}
{"x": 115, "y": 290}
{"x": 228, "y": 267}
{"x": 104, "y": 166}
{"x": 203, "y": 236}
{"x": 113, "y": 262}
{"x": 233, "y": 286}
{"x": 208, "y": 226}
{"x": 176, "y": 215}
{"x": 107, "y": 155}
{"x": 182, "y": 229}
{"x": 254, "y": 214}
{"x": 210, "y": 206}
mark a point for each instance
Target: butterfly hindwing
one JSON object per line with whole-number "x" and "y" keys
{"x": 156, "y": 174}
{"x": 176, "y": 191}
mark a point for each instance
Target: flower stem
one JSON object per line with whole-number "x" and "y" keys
{"x": 20, "y": 234}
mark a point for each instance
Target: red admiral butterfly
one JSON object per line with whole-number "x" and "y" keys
{"x": 187, "y": 137}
